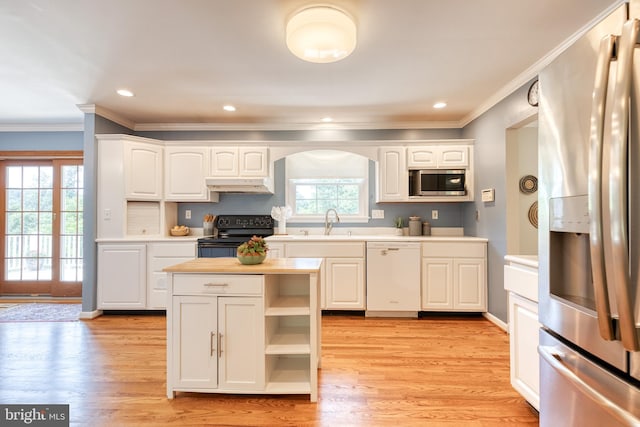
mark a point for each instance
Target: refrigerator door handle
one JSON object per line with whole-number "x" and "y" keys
{"x": 596, "y": 226}
{"x": 618, "y": 185}
{"x": 556, "y": 359}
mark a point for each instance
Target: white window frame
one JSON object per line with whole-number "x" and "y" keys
{"x": 363, "y": 182}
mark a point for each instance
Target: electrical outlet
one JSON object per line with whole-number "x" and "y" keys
{"x": 377, "y": 213}
{"x": 434, "y": 214}
{"x": 107, "y": 214}
{"x": 187, "y": 214}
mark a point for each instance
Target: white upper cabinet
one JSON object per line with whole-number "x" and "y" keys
{"x": 438, "y": 157}
{"x": 185, "y": 171}
{"x": 240, "y": 161}
{"x": 393, "y": 177}
{"x": 142, "y": 171}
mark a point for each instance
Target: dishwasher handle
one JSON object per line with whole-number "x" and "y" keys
{"x": 385, "y": 251}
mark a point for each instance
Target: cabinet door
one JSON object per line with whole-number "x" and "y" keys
{"x": 523, "y": 340}
{"x": 469, "y": 284}
{"x": 393, "y": 177}
{"x": 143, "y": 171}
{"x": 195, "y": 341}
{"x": 241, "y": 343}
{"x": 422, "y": 157}
{"x": 224, "y": 161}
{"x": 344, "y": 285}
{"x": 185, "y": 170}
{"x": 437, "y": 284}
{"x": 453, "y": 157}
{"x": 122, "y": 271}
{"x": 159, "y": 256}
{"x": 253, "y": 161}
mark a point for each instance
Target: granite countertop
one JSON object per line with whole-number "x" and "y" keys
{"x": 233, "y": 266}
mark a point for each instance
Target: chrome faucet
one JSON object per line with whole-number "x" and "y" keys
{"x": 328, "y": 225}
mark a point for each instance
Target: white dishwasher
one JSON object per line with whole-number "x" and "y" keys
{"x": 393, "y": 278}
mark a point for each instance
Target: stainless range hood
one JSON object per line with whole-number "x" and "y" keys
{"x": 258, "y": 185}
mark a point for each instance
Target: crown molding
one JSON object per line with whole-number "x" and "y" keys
{"x": 42, "y": 127}
{"x": 146, "y": 127}
{"x": 107, "y": 114}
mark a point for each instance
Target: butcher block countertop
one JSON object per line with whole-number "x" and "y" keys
{"x": 233, "y": 266}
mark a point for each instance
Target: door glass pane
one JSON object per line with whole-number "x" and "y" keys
{"x": 71, "y": 223}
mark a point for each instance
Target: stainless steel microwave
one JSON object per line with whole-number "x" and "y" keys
{"x": 437, "y": 182}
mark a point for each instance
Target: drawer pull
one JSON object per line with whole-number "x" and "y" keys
{"x": 216, "y": 285}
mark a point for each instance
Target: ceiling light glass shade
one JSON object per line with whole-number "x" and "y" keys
{"x": 321, "y": 34}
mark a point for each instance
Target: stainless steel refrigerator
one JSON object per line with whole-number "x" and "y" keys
{"x": 589, "y": 225}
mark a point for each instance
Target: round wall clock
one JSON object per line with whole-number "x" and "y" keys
{"x": 532, "y": 95}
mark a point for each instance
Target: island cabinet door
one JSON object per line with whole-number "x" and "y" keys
{"x": 241, "y": 343}
{"x": 195, "y": 355}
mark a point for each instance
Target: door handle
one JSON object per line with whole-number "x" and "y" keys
{"x": 618, "y": 185}
{"x": 219, "y": 345}
{"x": 556, "y": 359}
{"x": 596, "y": 170}
{"x": 212, "y": 343}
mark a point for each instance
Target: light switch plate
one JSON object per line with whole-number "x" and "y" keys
{"x": 488, "y": 195}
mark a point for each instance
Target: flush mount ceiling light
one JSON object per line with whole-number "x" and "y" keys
{"x": 230, "y": 108}
{"x": 124, "y": 92}
{"x": 439, "y": 105}
{"x": 321, "y": 34}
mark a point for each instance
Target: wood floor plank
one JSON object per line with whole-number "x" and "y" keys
{"x": 440, "y": 371}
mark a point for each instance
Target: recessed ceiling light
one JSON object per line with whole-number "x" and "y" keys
{"x": 229, "y": 108}
{"x": 327, "y": 119}
{"x": 124, "y": 92}
{"x": 439, "y": 105}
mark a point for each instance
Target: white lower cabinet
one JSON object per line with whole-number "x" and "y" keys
{"x": 523, "y": 342}
{"x": 159, "y": 256}
{"x": 454, "y": 276}
{"x": 122, "y": 275}
{"x": 219, "y": 342}
{"x": 344, "y": 285}
{"x": 521, "y": 281}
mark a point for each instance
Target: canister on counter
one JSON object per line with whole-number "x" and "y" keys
{"x": 426, "y": 229}
{"x": 414, "y": 226}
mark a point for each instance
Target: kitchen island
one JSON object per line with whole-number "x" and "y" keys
{"x": 234, "y": 328}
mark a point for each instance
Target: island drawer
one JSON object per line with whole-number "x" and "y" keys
{"x": 190, "y": 284}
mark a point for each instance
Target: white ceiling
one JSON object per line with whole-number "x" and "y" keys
{"x": 185, "y": 59}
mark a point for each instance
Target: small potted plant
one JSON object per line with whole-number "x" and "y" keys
{"x": 253, "y": 251}
{"x": 399, "y": 222}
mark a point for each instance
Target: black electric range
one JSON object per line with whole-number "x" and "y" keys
{"x": 230, "y": 231}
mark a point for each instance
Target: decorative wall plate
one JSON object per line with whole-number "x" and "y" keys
{"x": 528, "y": 184}
{"x": 533, "y": 214}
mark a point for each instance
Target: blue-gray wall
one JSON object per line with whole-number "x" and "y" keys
{"x": 41, "y": 141}
{"x": 449, "y": 214}
{"x": 490, "y": 132}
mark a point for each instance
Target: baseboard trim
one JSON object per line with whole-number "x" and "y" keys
{"x": 499, "y": 323}
{"x": 88, "y": 315}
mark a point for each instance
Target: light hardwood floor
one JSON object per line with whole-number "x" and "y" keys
{"x": 441, "y": 371}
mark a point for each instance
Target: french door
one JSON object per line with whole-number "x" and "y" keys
{"x": 42, "y": 203}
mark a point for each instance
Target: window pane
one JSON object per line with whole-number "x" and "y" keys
{"x": 13, "y": 247}
{"x": 348, "y": 191}
{"x": 68, "y": 248}
{"x": 80, "y": 200}
{"x": 69, "y": 223}
{"x": 45, "y": 246}
{"x": 327, "y": 192}
{"x": 12, "y": 268}
{"x": 348, "y": 207}
{"x": 30, "y": 176}
{"x": 14, "y": 200}
{"x": 69, "y": 200}
{"x": 14, "y": 223}
{"x": 306, "y": 207}
{"x": 44, "y": 269}
{"x": 29, "y": 246}
{"x": 305, "y": 192}
{"x": 46, "y": 177}
{"x": 30, "y": 202}
{"x": 69, "y": 177}
{"x": 30, "y": 225}
{"x": 46, "y": 200}
{"x": 14, "y": 177}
